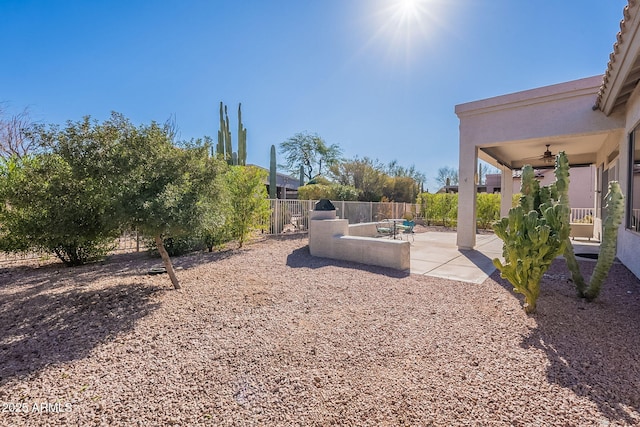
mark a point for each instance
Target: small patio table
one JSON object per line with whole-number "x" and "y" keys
{"x": 397, "y": 224}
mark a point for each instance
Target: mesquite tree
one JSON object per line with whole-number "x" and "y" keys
{"x": 310, "y": 151}
{"x": 167, "y": 189}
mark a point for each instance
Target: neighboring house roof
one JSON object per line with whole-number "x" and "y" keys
{"x": 623, "y": 69}
{"x": 283, "y": 180}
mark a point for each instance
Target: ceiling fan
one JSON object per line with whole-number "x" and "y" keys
{"x": 547, "y": 156}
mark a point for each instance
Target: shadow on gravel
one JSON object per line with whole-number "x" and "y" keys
{"x": 55, "y": 273}
{"x": 200, "y": 258}
{"x": 592, "y": 348}
{"x": 301, "y": 258}
{"x": 51, "y": 316}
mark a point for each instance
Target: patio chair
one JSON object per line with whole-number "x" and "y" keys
{"x": 383, "y": 229}
{"x": 407, "y": 228}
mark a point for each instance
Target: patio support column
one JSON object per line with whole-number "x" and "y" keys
{"x": 467, "y": 188}
{"x": 506, "y": 190}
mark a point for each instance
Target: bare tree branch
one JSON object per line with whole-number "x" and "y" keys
{"x": 14, "y": 138}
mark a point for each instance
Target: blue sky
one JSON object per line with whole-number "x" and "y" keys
{"x": 376, "y": 79}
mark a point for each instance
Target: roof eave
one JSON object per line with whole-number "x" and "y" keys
{"x": 622, "y": 75}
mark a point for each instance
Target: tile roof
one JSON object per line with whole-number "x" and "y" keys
{"x": 615, "y": 63}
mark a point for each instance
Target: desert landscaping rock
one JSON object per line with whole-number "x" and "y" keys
{"x": 268, "y": 335}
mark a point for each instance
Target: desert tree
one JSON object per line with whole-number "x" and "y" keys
{"x": 63, "y": 199}
{"x": 365, "y": 174}
{"x": 167, "y": 190}
{"x": 14, "y": 133}
{"x": 447, "y": 176}
{"x": 407, "y": 182}
{"x": 249, "y": 207}
{"x": 309, "y": 151}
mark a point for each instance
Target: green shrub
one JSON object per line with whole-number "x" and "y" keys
{"x": 439, "y": 208}
{"x": 442, "y": 208}
{"x": 47, "y": 206}
{"x": 314, "y": 192}
{"x": 487, "y": 209}
{"x": 249, "y": 207}
{"x": 327, "y": 191}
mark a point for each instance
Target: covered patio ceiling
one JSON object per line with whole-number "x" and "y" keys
{"x": 580, "y": 149}
{"x": 513, "y": 130}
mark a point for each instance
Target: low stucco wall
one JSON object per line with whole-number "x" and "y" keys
{"x": 329, "y": 238}
{"x": 364, "y": 229}
{"x": 628, "y": 249}
{"x": 323, "y": 235}
{"x": 581, "y": 230}
{"x": 371, "y": 251}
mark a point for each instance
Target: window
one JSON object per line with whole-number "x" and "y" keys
{"x": 599, "y": 175}
{"x": 633, "y": 185}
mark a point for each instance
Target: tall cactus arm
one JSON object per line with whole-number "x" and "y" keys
{"x": 529, "y": 188}
{"x": 561, "y": 187}
{"x": 221, "y": 134}
{"x": 573, "y": 266}
{"x": 228, "y": 146}
{"x": 242, "y": 139}
{"x": 562, "y": 175}
{"x": 615, "y": 211}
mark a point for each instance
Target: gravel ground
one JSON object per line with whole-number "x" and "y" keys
{"x": 268, "y": 335}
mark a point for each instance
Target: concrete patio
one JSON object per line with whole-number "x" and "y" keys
{"x": 436, "y": 254}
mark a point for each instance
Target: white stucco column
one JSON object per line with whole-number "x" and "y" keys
{"x": 506, "y": 190}
{"x": 467, "y": 196}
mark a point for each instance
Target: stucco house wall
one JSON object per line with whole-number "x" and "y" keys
{"x": 581, "y": 185}
{"x": 590, "y": 119}
{"x": 628, "y": 240}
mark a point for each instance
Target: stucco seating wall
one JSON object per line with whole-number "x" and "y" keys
{"x": 581, "y": 230}
{"x": 329, "y": 237}
{"x": 364, "y": 229}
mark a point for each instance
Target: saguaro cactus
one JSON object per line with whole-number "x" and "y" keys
{"x": 228, "y": 146}
{"x": 224, "y": 147}
{"x": 242, "y": 139}
{"x": 222, "y": 133}
{"x": 615, "y": 211}
{"x": 272, "y": 174}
